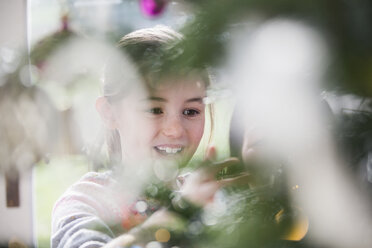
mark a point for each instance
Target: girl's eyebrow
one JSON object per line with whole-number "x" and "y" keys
{"x": 155, "y": 98}
{"x": 195, "y": 99}
{"x": 160, "y": 99}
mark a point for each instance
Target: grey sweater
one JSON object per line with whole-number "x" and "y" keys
{"x": 91, "y": 213}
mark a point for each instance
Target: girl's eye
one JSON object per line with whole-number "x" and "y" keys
{"x": 156, "y": 111}
{"x": 190, "y": 112}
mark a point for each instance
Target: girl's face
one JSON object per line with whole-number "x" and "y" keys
{"x": 167, "y": 123}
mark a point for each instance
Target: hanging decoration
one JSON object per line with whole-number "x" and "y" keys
{"x": 153, "y": 8}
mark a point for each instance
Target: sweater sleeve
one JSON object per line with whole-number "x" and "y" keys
{"x": 83, "y": 216}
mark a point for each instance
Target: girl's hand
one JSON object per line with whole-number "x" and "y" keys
{"x": 200, "y": 186}
{"x": 161, "y": 218}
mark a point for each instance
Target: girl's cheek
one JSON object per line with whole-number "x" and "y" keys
{"x": 196, "y": 130}
{"x": 151, "y": 130}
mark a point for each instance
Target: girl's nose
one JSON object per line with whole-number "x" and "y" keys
{"x": 173, "y": 127}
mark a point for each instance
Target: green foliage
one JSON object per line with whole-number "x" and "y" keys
{"x": 344, "y": 24}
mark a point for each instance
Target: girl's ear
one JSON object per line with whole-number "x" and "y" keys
{"x": 106, "y": 112}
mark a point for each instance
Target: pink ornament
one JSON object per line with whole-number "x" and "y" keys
{"x": 152, "y": 8}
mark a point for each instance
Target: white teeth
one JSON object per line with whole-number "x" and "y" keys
{"x": 170, "y": 150}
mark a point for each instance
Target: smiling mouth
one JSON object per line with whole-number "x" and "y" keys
{"x": 168, "y": 151}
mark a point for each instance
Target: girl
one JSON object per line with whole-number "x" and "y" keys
{"x": 154, "y": 118}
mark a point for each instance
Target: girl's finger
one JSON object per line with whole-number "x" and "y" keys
{"x": 211, "y": 154}
{"x": 216, "y": 167}
{"x": 245, "y": 178}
